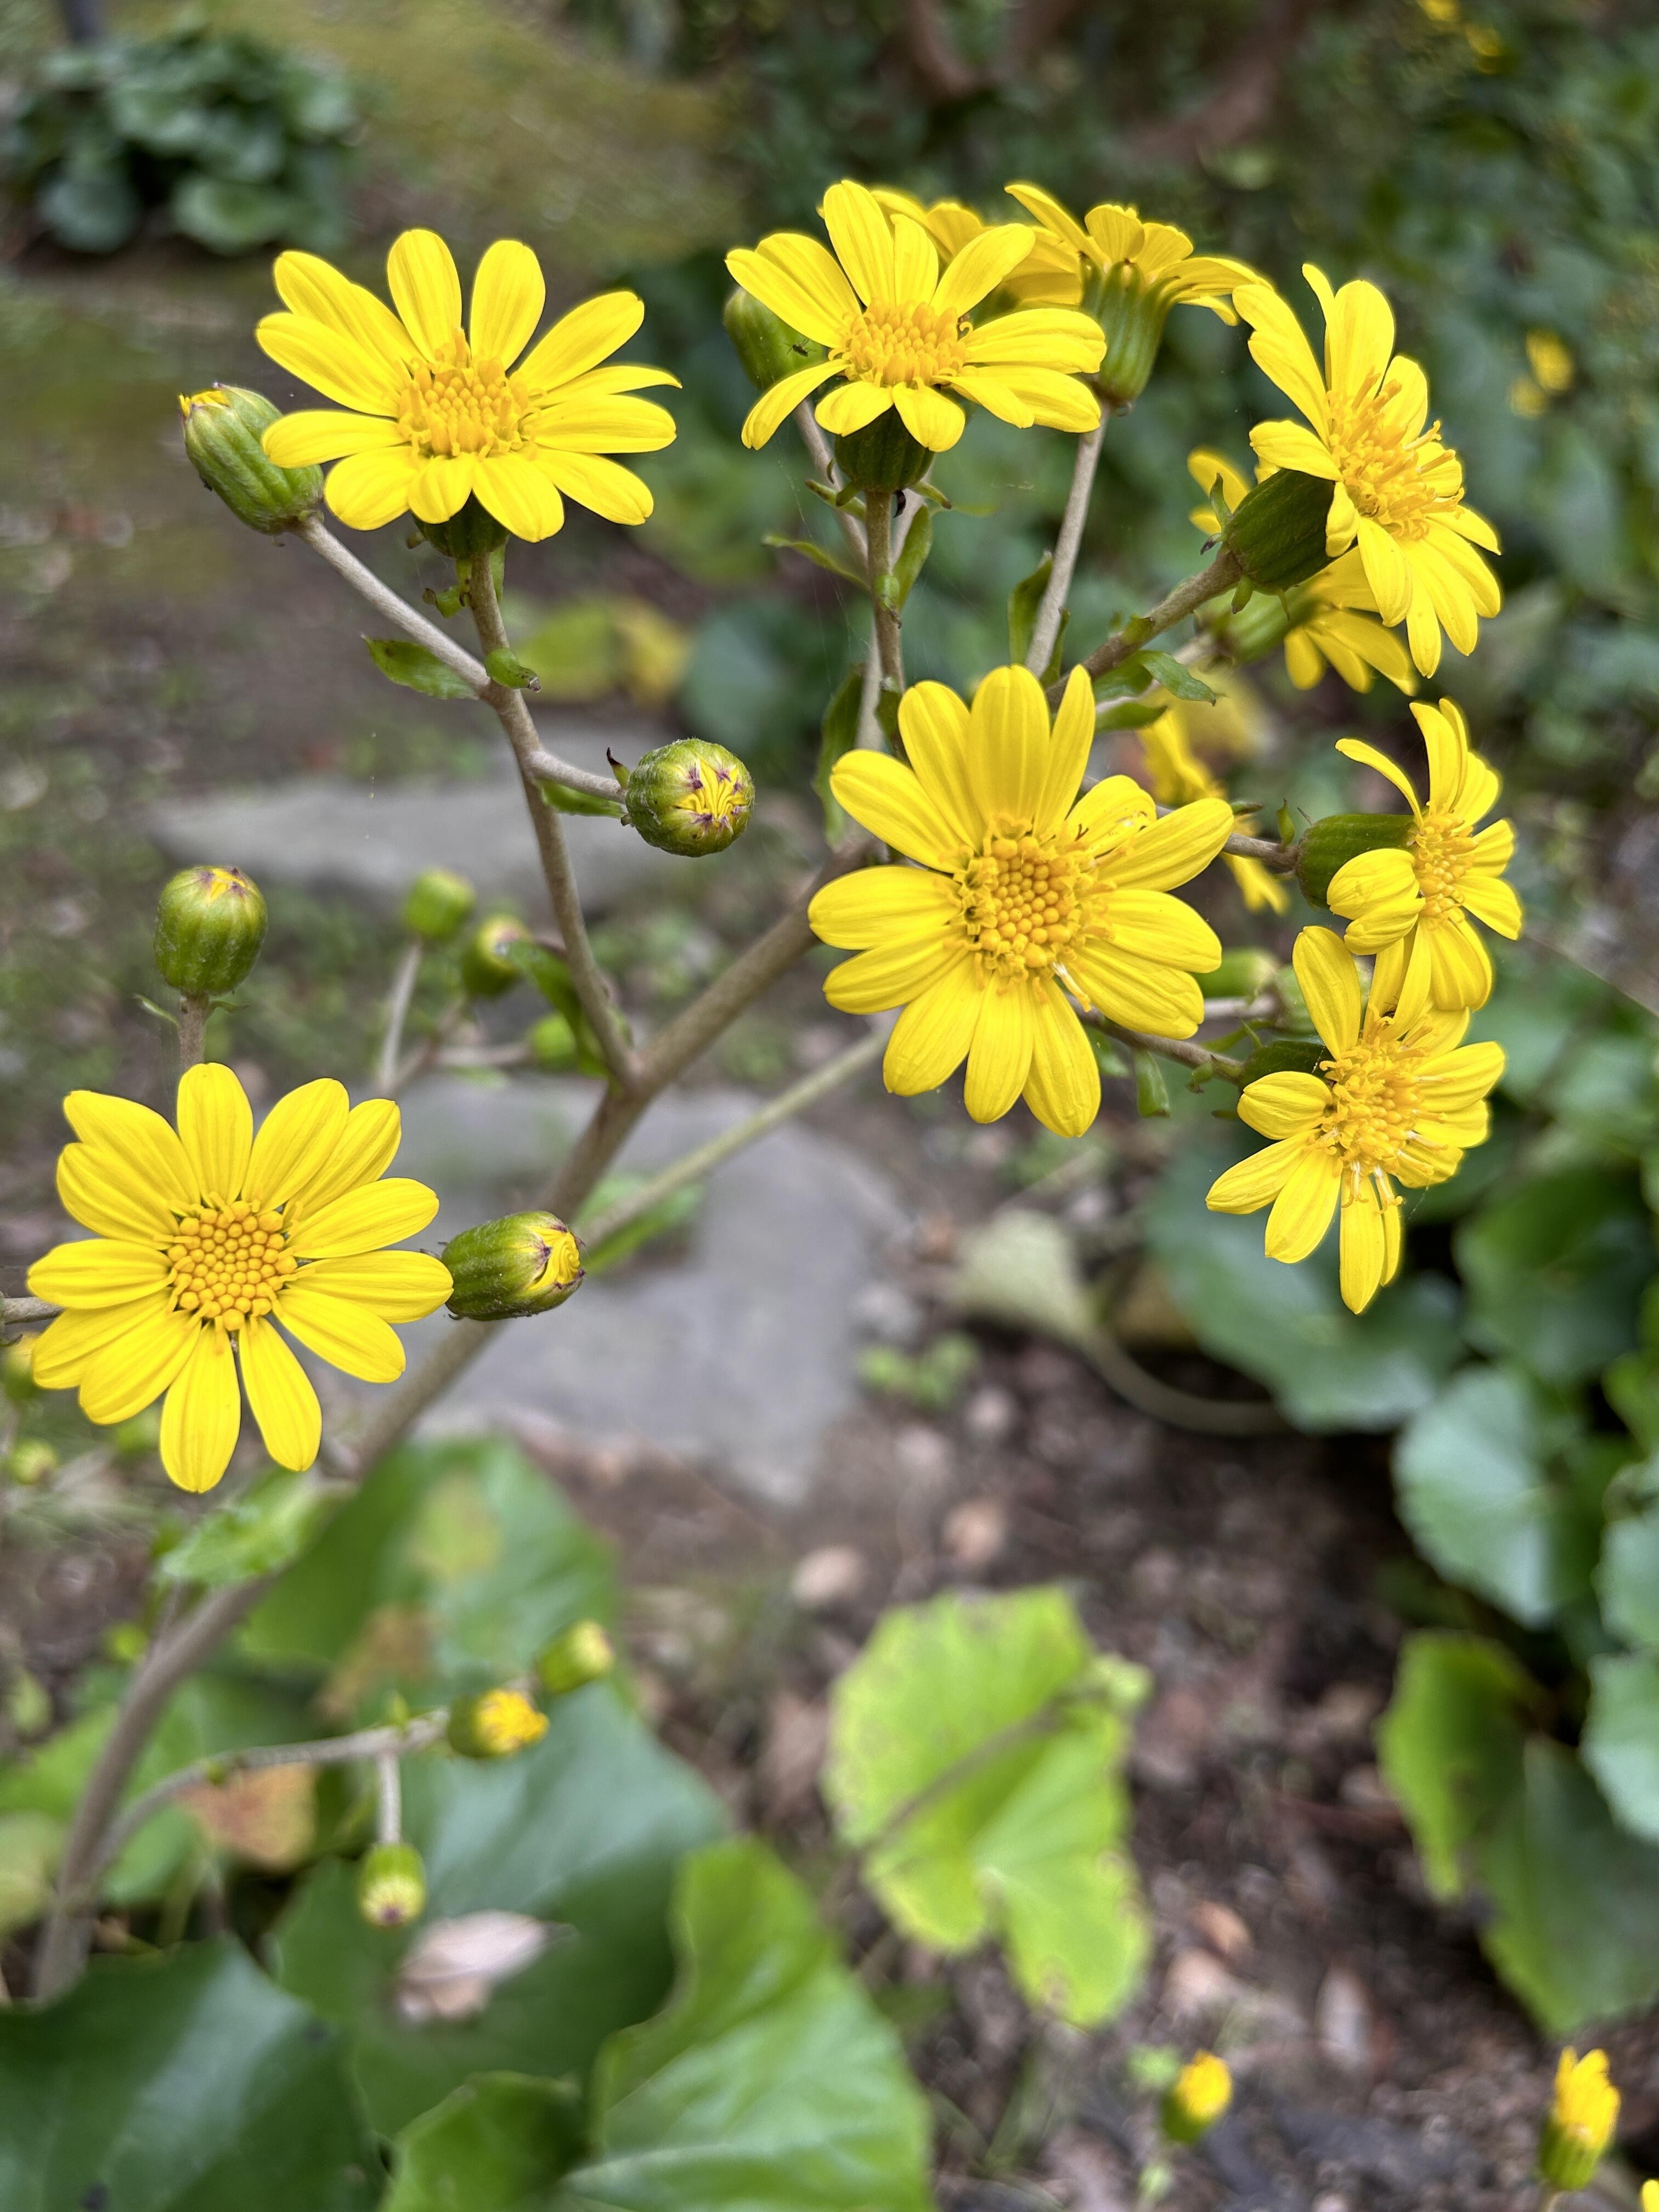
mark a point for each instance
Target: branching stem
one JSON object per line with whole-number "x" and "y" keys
{"x": 1223, "y": 573}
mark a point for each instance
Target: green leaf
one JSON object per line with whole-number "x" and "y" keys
{"x": 1151, "y": 1092}
{"x": 30, "y": 1843}
{"x": 569, "y": 800}
{"x": 669, "y": 1216}
{"x": 181, "y": 2084}
{"x": 913, "y": 557}
{"x": 265, "y": 1529}
{"x": 1449, "y": 1747}
{"x": 1620, "y": 1743}
{"x": 492, "y": 2146}
{"x": 1472, "y": 1483}
{"x": 819, "y": 555}
{"x": 583, "y": 1829}
{"x": 1027, "y": 1840}
{"x": 506, "y": 667}
{"x": 1554, "y": 1271}
{"x": 1630, "y": 1386}
{"x": 770, "y": 2084}
{"x": 417, "y": 669}
{"x": 839, "y": 735}
{"x": 1628, "y": 1578}
{"x": 1129, "y": 714}
{"x": 1175, "y": 676}
{"x": 228, "y": 217}
{"x": 1023, "y": 603}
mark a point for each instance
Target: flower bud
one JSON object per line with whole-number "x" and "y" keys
{"x": 1197, "y": 2097}
{"x": 1331, "y": 844}
{"x": 209, "y": 925}
{"x": 883, "y": 456}
{"x": 30, "y": 1462}
{"x": 439, "y": 904}
{"x": 692, "y": 798}
{"x": 552, "y": 1043}
{"x": 526, "y": 1263}
{"x": 582, "y": 1655}
{"x": 390, "y": 1885}
{"x": 1578, "y": 2126}
{"x": 472, "y": 530}
{"x": 766, "y": 346}
{"x": 1253, "y": 630}
{"x": 1132, "y": 312}
{"x": 1244, "y": 971}
{"x": 224, "y": 428}
{"x": 1277, "y": 533}
{"x": 495, "y": 1724}
{"x": 486, "y": 973}
{"x": 17, "y": 1369}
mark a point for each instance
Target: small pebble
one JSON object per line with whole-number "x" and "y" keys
{"x": 975, "y": 1531}
{"x": 829, "y": 1578}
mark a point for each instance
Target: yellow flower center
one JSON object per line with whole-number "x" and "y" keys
{"x": 463, "y": 406}
{"x": 1383, "y": 473}
{"x": 1376, "y": 1098}
{"x": 1021, "y": 903}
{"x": 890, "y": 345}
{"x": 712, "y": 796}
{"x": 229, "y": 1262}
{"x": 1441, "y": 847}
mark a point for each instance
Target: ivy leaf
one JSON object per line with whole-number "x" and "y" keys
{"x": 1450, "y": 1746}
{"x": 1175, "y": 676}
{"x": 1621, "y": 1741}
{"x": 265, "y": 1529}
{"x": 492, "y": 2146}
{"x": 417, "y": 669}
{"x": 1554, "y": 1271}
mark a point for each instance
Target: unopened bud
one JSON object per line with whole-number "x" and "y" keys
{"x": 883, "y": 456}
{"x": 552, "y": 1043}
{"x": 1132, "y": 310}
{"x": 1244, "y": 971}
{"x": 582, "y": 1655}
{"x": 224, "y": 426}
{"x": 766, "y": 346}
{"x": 1277, "y": 534}
{"x": 390, "y": 1885}
{"x": 495, "y": 1725}
{"x": 1579, "y": 2125}
{"x": 691, "y": 798}
{"x": 524, "y": 1263}
{"x": 1327, "y": 847}
{"x": 1197, "y": 2097}
{"x": 30, "y": 1462}
{"x": 209, "y": 925}
{"x": 17, "y": 1369}
{"x": 1252, "y": 631}
{"x": 486, "y": 972}
{"x": 438, "y": 905}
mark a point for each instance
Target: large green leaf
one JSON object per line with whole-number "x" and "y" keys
{"x": 496, "y": 2145}
{"x": 1473, "y": 1482}
{"x": 1450, "y": 1745}
{"x": 1628, "y": 1580}
{"x": 770, "y": 2084}
{"x": 1027, "y": 1839}
{"x": 184, "y": 2084}
{"x": 1620, "y": 1743}
{"x": 1554, "y": 1271}
{"x": 586, "y": 1831}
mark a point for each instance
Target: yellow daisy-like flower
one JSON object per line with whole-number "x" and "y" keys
{"x": 204, "y": 1238}
{"x": 898, "y": 332}
{"x": 1398, "y": 494}
{"x": 1024, "y": 891}
{"x": 1401, "y": 1099}
{"x": 1179, "y": 778}
{"x": 1049, "y": 276}
{"x": 1448, "y": 870}
{"x": 438, "y": 414}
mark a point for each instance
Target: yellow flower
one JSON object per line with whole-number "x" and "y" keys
{"x": 1448, "y": 872}
{"x": 205, "y": 1238}
{"x": 898, "y": 332}
{"x": 1049, "y": 276}
{"x": 1579, "y": 2125}
{"x": 1024, "y": 891}
{"x": 1550, "y": 360}
{"x": 438, "y": 414}
{"x": 1398, "y": 493}
{"x": 495, "y": 1724}
{"x": 1179, "y": 778}
{"x": 1401, "y": 1099}
{"x": 1197, "y": 2097}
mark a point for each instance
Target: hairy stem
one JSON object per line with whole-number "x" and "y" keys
{"x": 389, "y": 1797}
{"x": 1067, "y": 544}
{"x": 13, "y": 1310}
{"x": 1181, "y": 1050}
{"x": 878, "y": 530}
{"x": 1268, "y": 850}
{"x": 1223, "y": 573}
{"x": 194, "y": 1008}
{"x": 397, "y": 1012}
{"x": 823, "y": 457}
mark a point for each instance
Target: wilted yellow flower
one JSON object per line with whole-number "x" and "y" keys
{"x": 898, "y": 331}
{"x": 1021, "y": 896}
{"x": 204, "y": 1238}
{"x": 1047, "y": 278}
{"x": 1399, "y": 490}
{"x": 1401, "y": 1099}
{"x": 1579, "y": 2125}
{"x": 1179, "y": 777}
{"x": 441, "y": 414}
{"x": 1448, "y": 870}
{"x": 1197, "y": 2097}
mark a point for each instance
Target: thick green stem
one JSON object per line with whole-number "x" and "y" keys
{"x": 879, "y": 529}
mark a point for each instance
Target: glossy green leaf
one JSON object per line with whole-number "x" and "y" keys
{"x": 1627, "y": 1580}
{"x": 1554, "y": 1270}
{"x": 182, "y": 2084}
{"x": 1175, "y": 676}
{"x": 265, "y": 1529}
{"x": 966, "y": 1835}
{"x": 494, "y": 2145}
{"x": 1450, "y": 1745}
{"x": 417, "y": 669}
{"x": 1620, "y": 1744}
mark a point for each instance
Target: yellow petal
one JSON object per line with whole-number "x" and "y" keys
{"x": 216, "y": 1127}
{"x": 1113, "y": 810}
{"x": 1053, "y": 216}
{"x": 1493, "y": 903}
{"x": 443, "y": 486}
{"x": 426, "y": 289}
{"x": 1462, "y": 966}
{"x": 993, "y": 395}
{"x": 508, "y": 295}
{"x": 1160, "y": 927}
{"x": 798, "y": 280}
{"x": 1063, "y": 1087}
{"x": 580, "y": 340}
{"x": 396, "y": 1286}
{"x": 131, "y": 1372}
{"x": 862, "y": 238}
{"x": 1452, "y": 1079}
{"x": 97, "y": 1272}
{"x": 1281, "y": 350}
{"x": 849, "y": 407}
{"x": 521, "y": 497}
{"x": 579, "y": 424}
{"x": 1144, "y": 994}
{"x": 890, "y": 974}
{"x": 347, "y": 1335}
{"x": 980, "y": 266}
{"x": 1171, "y": 850}
{"x": 1388, "y": 572}
{"x": 1256, "y": 1182}
{"x": 296, "y": 1140}
{"x": 1000, "y": 1058}
{"x": 279, "y": 1392}
{"x": 107, "y": 1201}
{"x": 1069, "y": 747}
{"x": 933, "y": 420}
{"x": 327, "y": 433}
{"x": 863, "y": 908}
{"x": 1302, "y": 1211}
{"x": 777, "y": 403}
{"x": 1287, "y": 1103}
{"x": 1037, "y": 338}
{"x": 933, "y": 724}
{"x": 202, "y": 1415}
{"x": 1363, "y": 1243}
{"x": 364, "y": 1219}
{"x": 1289, "y": 446}
{"x": 337, "y": 367}
{"x": 1059, "y": 403}
{"x": 1330, "y": 984}
{"x": 1008, "y": 746}
{"x": 606, "y": 487}
{"x": 1379, "y": 885}
{"x": 366, "y": 1149}
{"x": 888, "y": 799}
{"x": 1359, "y": 334}
{"x": 370, "y": 489}
{"x": 319, "y": 293}
{"x": 67, "y": 1344}
{"x": 135, "y": 1145}
{"x": 915, "y": 261}
{"x": 931, "y": 1037}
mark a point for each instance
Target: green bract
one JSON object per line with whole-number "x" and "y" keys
{"x": 223, "y": 427}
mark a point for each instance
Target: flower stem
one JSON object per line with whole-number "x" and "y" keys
{"x": 193, "y": 1011}
{"x": 389, "y": 1797}
{"x": 878, "y": 530}
{"x": 1223, "y": 573}
{"x": 13, "y": 1310}
{"x": 1181, "y": 1050}
{"x": 1067, "y": 545}
{"x": 397, "y": 1012}
{"x": 822, "y": 458}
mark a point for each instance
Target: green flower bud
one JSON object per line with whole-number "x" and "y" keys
{"x": 883, "y": 456}
{"x": 209, "y": 925}
{"x": 1289, "y": 1056}
{"x": 1244, "y": 972}
{"x": 474, "y": 530}
{"x": 691, "y": 798}
{"x": 17, "y": 1369}
{"x": 1197, "y": 2097}
{"x": 526, "y": 1263}
{"x": 224, "y": 426}
{"x": 390, "y": 1885}
{"x": 438, "y": 905}
{"x": 766, "y": 346}
{"x": 495, "y": 1725}
{"x": 1277, "y": 533}
{"x": 1331, "y": 844}
{"x": 552, "y": 1044}
{"x": 1132, "y": 312}
{"x": 582, "y": 1655}
{"x": 30, "y": 1461}
{"x": 485, "y": 972}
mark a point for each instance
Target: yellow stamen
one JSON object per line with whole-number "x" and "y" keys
{"x": 891, "y": 346}
{"x": 464, "y": 406}
{"x": 1375, "y": 1105}
{"x": 1022, "y": 901}
{"x": 1441, "y": 849}
{"x": 224, "y": 1268}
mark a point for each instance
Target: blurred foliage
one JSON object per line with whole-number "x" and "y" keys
{"x": 242, "y": 145}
